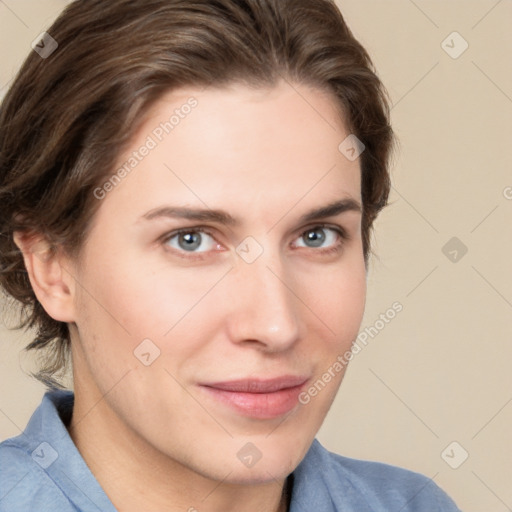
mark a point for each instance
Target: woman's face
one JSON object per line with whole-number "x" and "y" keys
{"x": 202, "y": 346}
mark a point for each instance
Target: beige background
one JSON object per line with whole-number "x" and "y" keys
{"x": 440, "y": 370}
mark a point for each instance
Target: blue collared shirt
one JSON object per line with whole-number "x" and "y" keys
{"x": 42, "y": 470}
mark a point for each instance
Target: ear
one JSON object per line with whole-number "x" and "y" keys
{"x": 53, "y": 285}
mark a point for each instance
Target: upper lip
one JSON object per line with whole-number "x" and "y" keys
{"x": 259, "y": 385}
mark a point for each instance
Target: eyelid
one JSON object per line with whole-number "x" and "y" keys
{"x": 192, "y": 229}
{"x": 337, "y": 246}
{"x": 343, "y": 232}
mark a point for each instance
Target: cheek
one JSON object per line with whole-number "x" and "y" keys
{"x": 139, "y": 296}
{"x": 337, "y": 297}
{"x": 125, "y": 302}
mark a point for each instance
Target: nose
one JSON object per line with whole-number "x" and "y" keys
{"x": 264, "y": 307}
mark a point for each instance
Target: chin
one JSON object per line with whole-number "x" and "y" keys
{"x": 265, "y": 461}
{"x": 248, "y": 461}
{"x": 261, "y": 473}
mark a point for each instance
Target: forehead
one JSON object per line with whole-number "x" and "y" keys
{"x": 250, "y": 147}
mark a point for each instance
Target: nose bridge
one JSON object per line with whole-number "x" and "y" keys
{"x": 265, "y": 307}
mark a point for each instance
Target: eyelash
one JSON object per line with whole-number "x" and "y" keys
{"x": 342, "y": 233}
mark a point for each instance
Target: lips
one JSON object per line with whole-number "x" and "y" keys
{"x": 258, "y": 398}
{"x": 259, "y": 385}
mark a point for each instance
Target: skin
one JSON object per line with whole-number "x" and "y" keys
{"x": 150, "y": 434}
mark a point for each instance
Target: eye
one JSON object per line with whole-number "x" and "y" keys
{"x": 191, "y": 240}
{"x": 322, "y": 237}
{"x": 195, "y": 242}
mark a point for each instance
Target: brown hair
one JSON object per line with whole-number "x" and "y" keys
{"x": 68, "y": 116}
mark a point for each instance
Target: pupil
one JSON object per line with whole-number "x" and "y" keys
{"x": 190, "y": 241}
{"x": 316, "y": 236}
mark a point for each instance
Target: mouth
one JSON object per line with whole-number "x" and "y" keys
{"x": 258, "y": 398}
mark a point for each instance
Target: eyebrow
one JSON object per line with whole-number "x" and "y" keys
{"x": 223, "y": 217}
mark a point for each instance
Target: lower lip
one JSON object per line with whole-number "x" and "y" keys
{"x": 258, "y": 405}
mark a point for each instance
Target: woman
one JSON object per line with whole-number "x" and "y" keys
{"x": 188, "y": 191}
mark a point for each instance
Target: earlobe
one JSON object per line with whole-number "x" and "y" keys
{"x": 53, "y": 285}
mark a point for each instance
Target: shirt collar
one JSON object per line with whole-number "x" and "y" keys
{"x": 53, "y": 449}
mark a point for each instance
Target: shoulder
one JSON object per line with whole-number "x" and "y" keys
{"x": 41, "y": 469}
{"x": 34, "y": 466}
{"x": 24, "y": 485}
{"x": 376, "y": 486}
